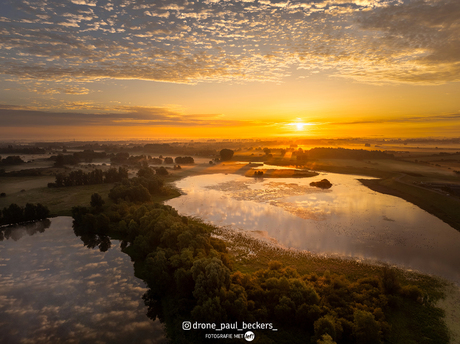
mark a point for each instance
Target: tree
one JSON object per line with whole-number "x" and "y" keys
{"x": 30, "y": 212}
{"x": 59, "y": 161}
{"x": 226, "y": 154}
{"x": 96, "y": 200}
{"x": 285, "y": 310}
{"x": 390, "y": 281}
{"x": 325, "y": 325}
{"x": 162, "y": 171}
{"x": 41, "y": 211}
{"x": 13, "y": 213}
{"x": 60, "y": 177}
{"x": 366, "y": 329}
{"x": 146, "y": 172}
{"x": 326, "y": 339}
{"x": 210, "y": 275}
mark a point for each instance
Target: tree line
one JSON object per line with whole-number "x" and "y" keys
{"x": 11, "y": 160}
{"x": 123, "y": 158}
{"x": 97, "y": 176}
{"x": 72, "y": 159}
{"x": 191, "y": 278}
{"x": 16, "y": 214}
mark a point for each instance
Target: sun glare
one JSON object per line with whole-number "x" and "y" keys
{"x": 298, "y": 125}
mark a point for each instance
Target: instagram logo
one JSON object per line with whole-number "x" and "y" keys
{"x": 186, "y": 325}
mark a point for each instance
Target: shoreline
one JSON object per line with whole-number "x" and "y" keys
{"x": 252, "y": 253}
{"x": 433, "y": 203}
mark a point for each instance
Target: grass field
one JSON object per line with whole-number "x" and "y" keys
{"x": 442, "y": 206}
{"x": 59, "y": 200}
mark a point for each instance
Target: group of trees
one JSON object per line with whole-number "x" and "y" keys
{"x": 72, "y": 159}
{"x": 11, "y": 160}
{"x": 184, "y": 160}
{"x": 123, "y": 158}
{"x": 226, "y": 154}
{"x": 22, "y": 150}
{"x": 138, "y": 189}
{"x": 97, "y": 176}
{"x": 148, "y": 172}
{"x": 61, "y": 160}
{"x": 190, "y": 277}
{"x": 16, "y": 214}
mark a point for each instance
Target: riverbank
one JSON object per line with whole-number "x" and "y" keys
{"x": 437, "y": 314}
{"x": 285, "y": 173}
{"x": 443, "y": 207}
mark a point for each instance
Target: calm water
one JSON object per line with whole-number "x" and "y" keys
{"x": 348, "y": 220}
{"x": 55, "y": 290}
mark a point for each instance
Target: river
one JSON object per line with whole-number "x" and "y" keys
{"x": 348, "y": 220}
{"x": 53, "y": 289}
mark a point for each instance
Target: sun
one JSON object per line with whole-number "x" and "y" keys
{"x": 297, "y": 126}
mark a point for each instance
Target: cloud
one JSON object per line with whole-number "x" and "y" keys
{"x": 409, "y": 119}
{"x": 15, "y": 116}
{"x": 374, "y": 41}
{"x": 76, "y": 90}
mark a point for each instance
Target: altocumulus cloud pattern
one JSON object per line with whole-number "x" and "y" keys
{"x": 180, "y": 41}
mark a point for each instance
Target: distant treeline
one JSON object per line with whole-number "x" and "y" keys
{"x": 191, "y": 278}
{"x": 16, "y": 214}
{"x": 21, "y": 150}
{"x": 165, "y": 148}
{"x": 77, "y": 157}
{"x": 76, "y": 178}
{"x": 342, "y": 153}
{"x": 11, "y": 160}
{"x": 30, "y": 172}
{"x": 123, "y": 158}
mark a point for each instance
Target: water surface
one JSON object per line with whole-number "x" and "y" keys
{"x": 55, "y": 290}
{"x": 348, "y": 220}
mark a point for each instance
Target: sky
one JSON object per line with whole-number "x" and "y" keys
{"x": 121, "y": 69}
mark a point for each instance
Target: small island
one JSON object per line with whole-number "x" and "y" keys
{"x": 323, "y": 184}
